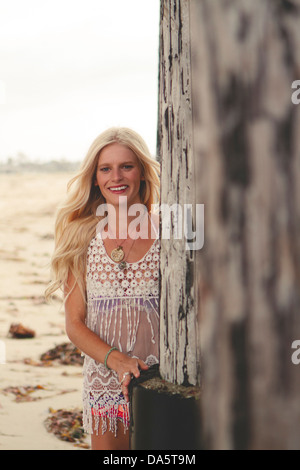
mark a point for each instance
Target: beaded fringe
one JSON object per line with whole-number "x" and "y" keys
{"x": 93, "y": 423}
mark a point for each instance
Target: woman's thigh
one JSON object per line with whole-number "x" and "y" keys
{"x": 108, "y": 441}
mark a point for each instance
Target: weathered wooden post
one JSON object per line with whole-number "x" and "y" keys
{"x": 179, "y": 345}
{"x": 173, "y": 419}
{"x": 229, "y": 139}
{"x": 246, "y": 55}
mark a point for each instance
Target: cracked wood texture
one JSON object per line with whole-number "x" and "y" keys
{"x": 179, "y": 344}
{"x": 245, "y": 56}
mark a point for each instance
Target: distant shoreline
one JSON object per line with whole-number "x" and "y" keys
{"x": 52, "y": 166}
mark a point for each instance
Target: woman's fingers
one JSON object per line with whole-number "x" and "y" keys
{"x": 139, "y": 365}
{"x": 143, "y": 365}
{"x": 125, "y": 375}
{"x": 126, "y": 381}
{"x": 132, "y": 369}
{"x": 136, "y": 370}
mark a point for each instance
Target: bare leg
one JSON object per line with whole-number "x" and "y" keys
{"x": 108, "y": 441}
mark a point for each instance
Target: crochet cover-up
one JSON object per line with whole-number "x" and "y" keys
{"x": 123, "y": 309}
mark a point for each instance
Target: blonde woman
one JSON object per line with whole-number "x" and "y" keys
{"x": 106, "y": 260}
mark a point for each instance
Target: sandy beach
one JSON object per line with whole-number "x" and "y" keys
{"x": 28, "y": 202}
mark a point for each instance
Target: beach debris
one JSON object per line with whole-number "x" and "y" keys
{"x": 32, "y": 362}
{"x": 17, "y": 330}
{"x": 23, "y": 393}
{"x": 65, "y": 353}
{"x": 47, "y": 236}
{"x": 67, "y": 426}
{"x": 38, "y": 299}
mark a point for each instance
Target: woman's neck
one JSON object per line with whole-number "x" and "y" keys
{"x": 125, "y": 222}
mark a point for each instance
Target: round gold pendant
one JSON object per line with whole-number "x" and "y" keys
{"x": 117, "y": 254}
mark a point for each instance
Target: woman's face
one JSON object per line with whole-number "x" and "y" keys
{"x": 119, "y": 174}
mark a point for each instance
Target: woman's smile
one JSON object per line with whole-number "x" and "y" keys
{"x": 118, "y": 189}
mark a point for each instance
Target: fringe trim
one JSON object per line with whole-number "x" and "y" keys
{"x": 93, "y": 423}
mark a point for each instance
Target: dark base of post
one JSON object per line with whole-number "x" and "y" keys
{"x": 163, "y": 421}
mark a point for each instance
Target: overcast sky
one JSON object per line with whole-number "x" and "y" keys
{"x": 71, "y": 68}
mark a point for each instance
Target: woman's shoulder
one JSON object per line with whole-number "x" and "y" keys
{"x": 95, "y": 241}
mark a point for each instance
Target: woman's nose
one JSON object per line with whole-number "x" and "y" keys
{"x": 116, "y": 174}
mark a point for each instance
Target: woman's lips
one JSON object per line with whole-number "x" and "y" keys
{"x": 118, "y": 189}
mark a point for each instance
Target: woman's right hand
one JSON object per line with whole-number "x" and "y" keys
{"x": 126, "y": 368}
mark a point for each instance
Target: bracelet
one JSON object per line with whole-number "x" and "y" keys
{"x": 105, "y": 360}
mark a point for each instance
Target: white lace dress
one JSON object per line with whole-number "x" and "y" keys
{"x": 123, "y": 309}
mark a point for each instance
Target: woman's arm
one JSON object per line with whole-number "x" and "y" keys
{"x": 89, "y": 343}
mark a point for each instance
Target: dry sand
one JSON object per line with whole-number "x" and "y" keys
{"x": 28, "y": 203}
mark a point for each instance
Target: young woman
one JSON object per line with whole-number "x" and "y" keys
{"x": 109, "y": 275}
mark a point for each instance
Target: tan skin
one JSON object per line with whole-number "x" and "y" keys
{"x": 121, "y": 168}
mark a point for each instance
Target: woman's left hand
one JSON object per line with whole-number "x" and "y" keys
{"x": 126, "y": 367}
{"x": 127, "y": 376}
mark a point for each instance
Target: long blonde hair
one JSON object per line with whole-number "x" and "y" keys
{"x": 76, "y": 218}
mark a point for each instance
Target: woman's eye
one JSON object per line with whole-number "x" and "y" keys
{"x": 105, "y": 169}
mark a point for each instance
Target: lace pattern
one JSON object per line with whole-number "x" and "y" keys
{"x": 123, "y": 310}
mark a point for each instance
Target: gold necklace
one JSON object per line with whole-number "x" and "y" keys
{"x": 117, "y": 254}
{"x": 123, "y": 264}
